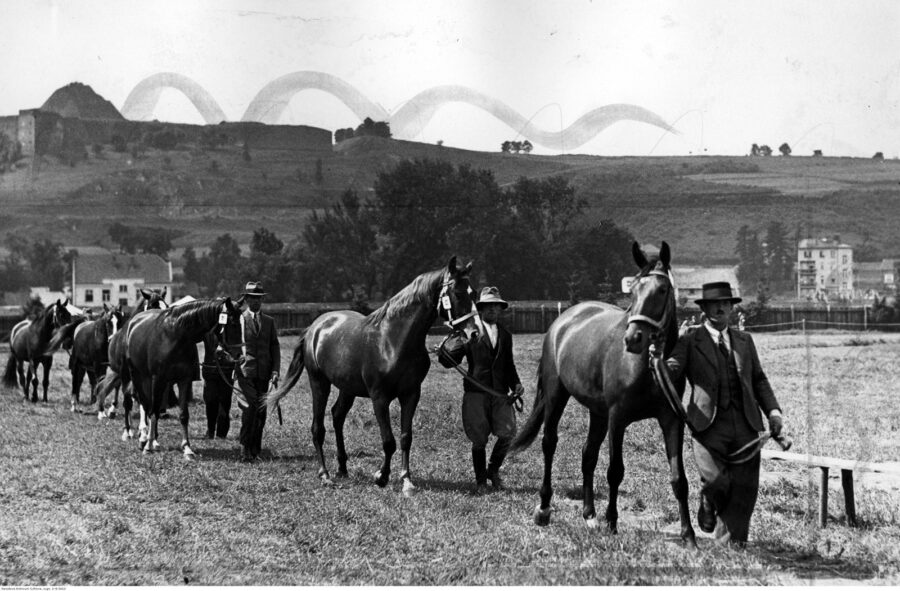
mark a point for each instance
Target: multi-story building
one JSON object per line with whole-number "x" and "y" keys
{"x": 114, "y": 278}
{"x": 824, "y": 268}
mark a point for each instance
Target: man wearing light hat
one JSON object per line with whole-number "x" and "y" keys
{"x": 489, "y": 356}
{"x": 259, "y": 367}
{"x": 727, "y": 389}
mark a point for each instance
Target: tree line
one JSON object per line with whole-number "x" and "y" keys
{"x": 529, "y": 240}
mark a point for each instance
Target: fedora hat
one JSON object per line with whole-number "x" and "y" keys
{"x": 717, "y": 291}
{"x": 491, "y": 295}
{"x": 254, "y": 288}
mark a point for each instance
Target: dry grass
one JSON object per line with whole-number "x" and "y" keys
{"x": 83, "y": 508}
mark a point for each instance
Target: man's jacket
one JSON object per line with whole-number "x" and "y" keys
{"x": 492, "y": 367}
{"x": 262, "y": 354}
{"x": 696, "y": 357}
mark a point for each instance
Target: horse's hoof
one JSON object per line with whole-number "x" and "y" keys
{"x": 156, "y": 445}
{"x": 541, "y": 516}
{"x": 381, "y": 479}
{"x": 592, "y": 523}
{"x": 125, "y": 435}
{"x": 189, "y": 454}
{"x": 111, "y": 413}
{"x": 409, "y": 489}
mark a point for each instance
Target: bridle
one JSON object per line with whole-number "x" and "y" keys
{"x": 668, "y": 312}
{"x": 446, "y": 306}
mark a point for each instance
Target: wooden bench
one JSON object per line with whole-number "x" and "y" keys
{"x": 824, "y": 463}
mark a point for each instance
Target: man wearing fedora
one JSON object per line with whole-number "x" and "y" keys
{"x": 727, "y": 389}
{"x": 489, "y": 357}
{"x": 259, "y": 366}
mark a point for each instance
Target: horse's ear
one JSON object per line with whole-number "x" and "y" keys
{"x": 105, "y": 307}
{"x": 451, "y": 265}
{"x": 145, "y": 293}
{"x": 239, "y": 303}
{"x": 164, "y": 291}
{"x": 468, "y": 267}
{"x": 665, "y": 254}
{"x": 639, "y": 257}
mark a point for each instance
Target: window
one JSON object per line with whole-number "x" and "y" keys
{"x": 807, "y": 254}
{"x": 123, "y": 289}
{"x": 123, "y": 301}
{"x": 821, "y": 254}
{"x": 106, "y": 296}
{"x": 844, "y": 259}
{"x": 89, "y": 295}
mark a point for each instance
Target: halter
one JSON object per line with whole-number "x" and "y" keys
{"x": 446, "y": 305}
{"x": 661, "y": 323}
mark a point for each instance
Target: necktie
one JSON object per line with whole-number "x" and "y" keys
{"x": 255, "y": 322}
{"x": 722, "y": 347}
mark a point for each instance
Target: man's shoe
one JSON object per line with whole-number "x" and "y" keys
{"x": 481, "y": 488}
{"x": 706, "y": 515}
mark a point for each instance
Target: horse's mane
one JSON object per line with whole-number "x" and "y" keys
{"x": 186, "y": 315}
{"x": 421, "y": 288}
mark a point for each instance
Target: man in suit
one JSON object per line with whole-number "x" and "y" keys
{"x": 258, "y": 368}
{"x": 727, "y": 389}
{"x": 489, "y": 357}
{"x": 217, "y": 370}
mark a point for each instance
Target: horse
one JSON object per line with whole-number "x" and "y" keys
{"x": 598, "y": 354}
{"x": 30, "y": 342}
{"x": 161, "y": 350}
{"x": 150, "y": 300}
{"x": 90, "y": 351}
{"x": 382, "y": 357}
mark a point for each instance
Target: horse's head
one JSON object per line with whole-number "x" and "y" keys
{"x": 114, "y": 319}
{"x": 652, "y": 308}
{"x": 229, "y": 314}
{"x": 153, "y": 299}
{"x": 59, "y": 313}
{"x": 455, "y": 302}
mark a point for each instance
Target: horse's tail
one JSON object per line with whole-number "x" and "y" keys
{"x": 270, "y": 400}
{"x": 9, "y": 376}
{"x": 62, "y": 336}
{"x": 105, "y": 385}
{"x": 529, "y": 432}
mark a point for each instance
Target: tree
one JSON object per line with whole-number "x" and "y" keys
{"x": 749, "y": 251}
{"x": 778, "y": 256}
{"x": 785, "y": 149}
{"x": 527, "y": 147}
{"x": 754, "y": 150}
{"x": 879, "y": 156}
{"x": 265, "y": 242}
{"x": 765, "y": 150}
{"x": 506, "y": 146}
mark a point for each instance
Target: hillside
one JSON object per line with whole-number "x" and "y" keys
{"x": 695, "y": 203}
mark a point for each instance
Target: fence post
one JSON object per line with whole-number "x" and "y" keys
{"x": 543, "y": 318}
{"x": 865, "y": 318}
{"x": 792, "y": 315}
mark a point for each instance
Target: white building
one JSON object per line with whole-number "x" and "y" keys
{"x": 824, "y": 268}
{"x": 116, "y": 278}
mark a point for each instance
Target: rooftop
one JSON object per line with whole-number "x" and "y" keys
{"x": 97, "y": 267}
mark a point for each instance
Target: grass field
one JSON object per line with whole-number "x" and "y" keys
{"x": 81, "y": 507}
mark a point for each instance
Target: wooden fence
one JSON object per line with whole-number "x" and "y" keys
{"x": 534, "y": 317}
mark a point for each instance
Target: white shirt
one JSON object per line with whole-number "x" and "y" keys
{"x": 715, "y": 334}
{"x": 491, "y": 330}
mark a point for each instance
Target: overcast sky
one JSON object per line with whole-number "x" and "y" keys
{"x": 817, "y": 74}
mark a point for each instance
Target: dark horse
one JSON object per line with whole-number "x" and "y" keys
{"x": 31, "y": 342}
{"x": 381, "y": 356}
{"x": 150, "y": 300}
{"x": 598, "y": 354}
{"x": 161, "y": 350}
{"x": 90, "y": 350}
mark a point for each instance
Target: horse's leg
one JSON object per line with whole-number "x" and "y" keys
{"x": 616, "y": 471}
{"x": 382, "y": 406}
{"x": 319, "y": 388}
{"x": 33, "y": 379}
{"x": 184, "y": 397}
{"x": 557, "y": 397}
{"x": 46, "y": 362}
{"x": 339, "y": 411}
{"x": 23, "y": 382}
{"x": 408, "y": 405}
{"x": 127, "y": 406}
{"x": 77, "y": 378}
{"x": 589, "y": 454}
{"x": 92, "y": 380}
{"x": 673, "y": 435}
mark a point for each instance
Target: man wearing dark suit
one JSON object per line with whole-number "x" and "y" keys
{"x": 489, "y": 357}
{"x": 217, "y": 371}
{"x": 259, "y": 366}
{"x": 727, "y": 389}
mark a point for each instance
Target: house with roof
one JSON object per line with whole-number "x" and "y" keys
{"x": 876, "y": 278}
{"x": 689, "y": 280}
{"x": 824, "y": 268}
{"x": 116, "y": 278}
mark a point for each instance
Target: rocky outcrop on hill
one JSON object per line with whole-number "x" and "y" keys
{"x": 79, "y": 101}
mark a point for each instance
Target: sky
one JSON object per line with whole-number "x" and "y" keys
{"x": 820, "y": 74}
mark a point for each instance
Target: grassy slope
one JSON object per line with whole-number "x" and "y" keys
{"x": 695, "y": 203}
{"x": 81, "y": 507}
